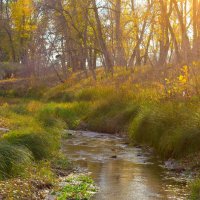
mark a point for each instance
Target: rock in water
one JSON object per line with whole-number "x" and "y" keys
{"x": 114, "y": 156}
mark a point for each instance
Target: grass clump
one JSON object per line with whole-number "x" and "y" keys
{"x": 61, "y": 165}
{"x": 47, "y": 116}
{"x": 40, "y": 143}
{"x": 94, "y": 93}
{"x": 60, "y": 93}
{"x": 14, "y": 160}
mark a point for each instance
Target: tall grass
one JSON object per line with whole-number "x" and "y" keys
{"x": 39, "y": 142}
{"x": 28, "y": 137}
{"x": 69, "y": 113}
{"x": 112, "y": 114}
{"x": 172, "y": 128}
{"x": 146, "y": 114}
{"x": 14, "y": 159}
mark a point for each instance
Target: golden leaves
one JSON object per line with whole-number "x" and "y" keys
{"x": 178, "y": 85}
{"x": 22, "y": 17}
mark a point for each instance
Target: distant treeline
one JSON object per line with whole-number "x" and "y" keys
{"x": 70, "y": 35}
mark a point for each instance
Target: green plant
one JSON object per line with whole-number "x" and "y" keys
{"x": 61, "y": 162}
{"x": 77, "y": 187}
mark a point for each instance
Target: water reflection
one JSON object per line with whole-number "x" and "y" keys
{"x": 130, "y": 176}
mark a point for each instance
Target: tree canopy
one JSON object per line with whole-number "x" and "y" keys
{"x": 72, "y": 35}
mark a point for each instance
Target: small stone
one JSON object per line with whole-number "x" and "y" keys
{"x": 114, "y": 156}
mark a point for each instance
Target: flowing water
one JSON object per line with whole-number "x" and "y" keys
{"x": 122, "y": 172}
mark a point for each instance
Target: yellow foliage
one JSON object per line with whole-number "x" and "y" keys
{"x": 22, "y": 17}
{"x": 180, "y": 84}
{"x": 182, "y": 79}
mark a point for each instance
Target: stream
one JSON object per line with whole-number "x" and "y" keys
{"x": 122, "y": 172}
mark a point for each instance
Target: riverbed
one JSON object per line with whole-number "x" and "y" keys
{"x": 120, "y": 171}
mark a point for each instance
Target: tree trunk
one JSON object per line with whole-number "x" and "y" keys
{"x": 107, "y": 56}
{"x": 186, "y": 48}
{"x": 120, "y": 53}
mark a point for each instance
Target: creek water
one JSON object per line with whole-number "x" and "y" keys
{"x": 120, "y": 171}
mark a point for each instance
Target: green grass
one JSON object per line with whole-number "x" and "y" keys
{"x": 195, "y": 190}
{"x": 14, "y": 160}
{"x": 28, "y": 138}
{"x": 39, "y": 142}
{"x": 69, "y": 113}
{"x": 77, "y": 187}
{"x": 59, "y": 93}
{"x": 35, "y": 130}
{"x": 112, "y": 115}
{"x": 169, "y": 127}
